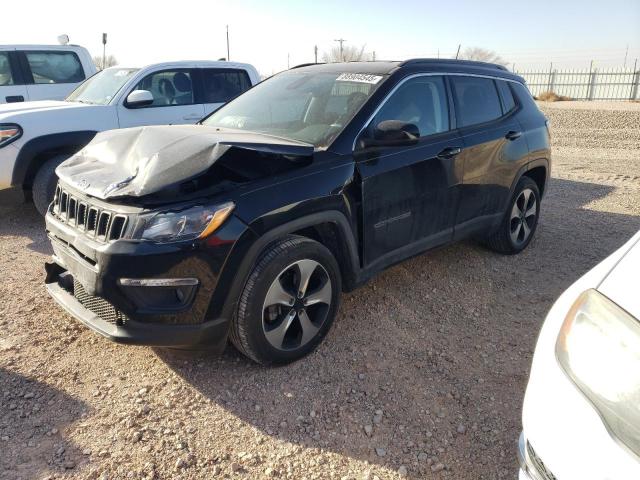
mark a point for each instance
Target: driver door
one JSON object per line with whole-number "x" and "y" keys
{"x": 174, "y": 100}
{"x": 410, "y": 192}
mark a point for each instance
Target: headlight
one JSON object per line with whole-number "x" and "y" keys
{"x": 9, "y": 132}
{"x": 599, "y": 348}
{"x": 189, "y": 224}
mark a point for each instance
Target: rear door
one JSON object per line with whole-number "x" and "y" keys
{"x": 51, "y": 74}
{"x": 219, "y": 85}
{"x": 12, "y": 87}
{"x": 174, "y": 100}
{"x": 409, "y": 193}
{"x": 494, "y": 149}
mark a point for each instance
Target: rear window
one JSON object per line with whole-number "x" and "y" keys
{"x": 5, "y": 70}
{"x": 507, "y": 96}
{"x": 55, "y": 67}
{"x": 220, "y": 86}
{"x": 477, "y": 100}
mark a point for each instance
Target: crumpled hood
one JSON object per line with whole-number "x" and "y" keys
{"x": 144, "y": 160}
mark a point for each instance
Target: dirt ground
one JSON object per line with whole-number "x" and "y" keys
{"x": 422, "y": 375}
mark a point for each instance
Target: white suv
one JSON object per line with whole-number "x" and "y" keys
{"x": 42, "y": 72}
{"x": 35, "y": 137}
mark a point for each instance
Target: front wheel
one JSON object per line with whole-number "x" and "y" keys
{"x": 44, "y": 184}
{"x": 288, "y": 303}
{"x": 520, "y": 220}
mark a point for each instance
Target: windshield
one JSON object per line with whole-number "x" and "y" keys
{"x": 102, "y": 87}
{"x": 304, "y": 106}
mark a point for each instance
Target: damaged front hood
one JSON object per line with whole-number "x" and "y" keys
{"x": 144, "y": 160}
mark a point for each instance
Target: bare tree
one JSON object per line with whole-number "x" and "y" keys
{"x": 482, "y": 55}
{"x": 110, "y": 61}
{"x": 350, "y": 53}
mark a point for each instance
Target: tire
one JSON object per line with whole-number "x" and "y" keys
{"x": 520, "y": 220}
{"x": 274, "y": 324}
{"x": 44, "y": 184}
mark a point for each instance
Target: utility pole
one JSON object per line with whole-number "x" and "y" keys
{"x": 458, "y": 52}
{"x": 315, "y": 53}
{"x": 438, "y": 53}
{"x": 228, "y": 57}
{"x": 374, "y": 55}
{"x": 287, "y": 61}
{"x": 104, "y": 49}
{"x": 341, "y": 41}
{"x": 626, "y": 52}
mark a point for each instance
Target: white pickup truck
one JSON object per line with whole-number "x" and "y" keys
{"x": 35, "y": 137}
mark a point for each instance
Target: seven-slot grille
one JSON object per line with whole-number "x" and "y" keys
{"x": 539, "y": 465}
{"x": 96, "y": 222}
{"x": 97, "y": 305}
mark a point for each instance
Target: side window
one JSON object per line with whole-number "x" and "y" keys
{"x": 507, "y": 96}
{"x": 221, "y": 85}
{"x": 421, "y": 101}
{"x": 6, "y": 78}
{"x": 476, "y": 100}
{"x": 55, "y": 67}
{"x": 169, "y": 87}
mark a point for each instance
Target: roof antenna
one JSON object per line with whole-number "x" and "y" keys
{"x": 458, "y": 52}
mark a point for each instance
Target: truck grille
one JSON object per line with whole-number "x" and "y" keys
{"x": 98, "y": 306}
{"x": 96, "y": 222}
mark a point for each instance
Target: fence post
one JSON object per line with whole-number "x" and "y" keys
{"x": 634, "y": 86}
{"x": 550, "y": 82}
{"x": 592, "y": 83}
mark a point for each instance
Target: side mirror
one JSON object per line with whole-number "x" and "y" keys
{"x": 392, "y": 133}
{"x": 139, "y": 98}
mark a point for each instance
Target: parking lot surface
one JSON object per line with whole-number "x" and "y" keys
{"x": 422, "y": 375}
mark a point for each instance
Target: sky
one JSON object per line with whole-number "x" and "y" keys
{"x": 272, "y": 35}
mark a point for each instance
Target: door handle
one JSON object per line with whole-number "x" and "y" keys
{"x": 449, "y": 152}
{"x": 14, "y": 98}
{"x": 194, "y": 116}
{"x": 513, "y": 135}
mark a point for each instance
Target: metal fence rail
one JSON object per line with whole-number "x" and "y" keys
{"x": 595, "y": 84}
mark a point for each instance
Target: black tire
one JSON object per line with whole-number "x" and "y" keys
{"x": 255, "y": 324}
{"x": 505, "y": 240}
{"x": 44, "y": 184}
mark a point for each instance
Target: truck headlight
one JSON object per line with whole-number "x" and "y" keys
{"x": 599, "y": 348}
{"x": 188, "y": 224}
{"x": 9, "y": 132}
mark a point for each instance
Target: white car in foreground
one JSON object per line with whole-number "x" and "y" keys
{"x": 35, "y": 137}
{"x": 581, "y": 414}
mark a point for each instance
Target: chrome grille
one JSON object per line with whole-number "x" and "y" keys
{"x": 101, "y": 224}
{"x": 97, "y": 305}
{"x": 539, "y": 465}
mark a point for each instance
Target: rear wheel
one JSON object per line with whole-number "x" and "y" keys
{"x": 288, "y": 303}
{"x": 520, "y": 221}
{"x": 44, "y": 184}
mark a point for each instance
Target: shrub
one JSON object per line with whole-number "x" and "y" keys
{"x": 552, "y": 97}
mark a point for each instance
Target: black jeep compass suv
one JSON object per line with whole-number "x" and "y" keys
{"x": 250, "y": 224}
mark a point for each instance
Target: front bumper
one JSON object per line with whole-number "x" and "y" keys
{"x": 531, "y": 467}
{"x": 98, "y": 282}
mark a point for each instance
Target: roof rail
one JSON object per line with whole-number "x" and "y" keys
{"x": 307, "y": 65}
{"x": 452, "y": 61}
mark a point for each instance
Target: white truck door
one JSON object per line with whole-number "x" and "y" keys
{"x": 219, "y": 85}
{"x": 51, "y": 74}
{"x": 174, "y": 100}
{"x": 12, "y": 87}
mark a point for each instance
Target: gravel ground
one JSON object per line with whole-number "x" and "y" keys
{"x": 422, "y": 375}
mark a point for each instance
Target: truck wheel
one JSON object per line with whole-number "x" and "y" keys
{"x": 44, "y": 184}
{"x": 288, "y": 303}
{"x": 520, "y": 221}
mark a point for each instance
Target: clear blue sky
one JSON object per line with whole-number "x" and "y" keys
{"x": 531, "y": 34}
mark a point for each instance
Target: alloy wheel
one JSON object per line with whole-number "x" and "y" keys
{"x": 296, "y": 305}
{"x": 523, "y": 217}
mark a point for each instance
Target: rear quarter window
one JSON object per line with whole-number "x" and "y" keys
{"x": 507, "y": 95}
{"x": 221, "y": 85}
{"x": 55, "y": 67}
{"x": 476, "y": 100}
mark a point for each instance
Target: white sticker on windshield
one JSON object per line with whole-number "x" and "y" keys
{"x": 359, "y": 77}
